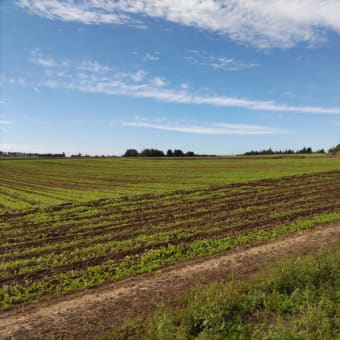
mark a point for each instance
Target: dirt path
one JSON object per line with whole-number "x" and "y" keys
{"x": 95, "y": 311}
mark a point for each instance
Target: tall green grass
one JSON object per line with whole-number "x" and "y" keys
{"x": 298, "y": 298}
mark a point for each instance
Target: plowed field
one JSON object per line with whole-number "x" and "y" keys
{"x": 43, "y": 182}
{"x": 55, "y": 249}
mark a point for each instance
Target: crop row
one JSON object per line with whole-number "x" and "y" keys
{"x": 41, "y": 182}
{"x": 149, "y": 203}
{"x": 117, "y": 248}
{"x": 126, "y": 228}
{"x": 107, "y": 232}
{"x": 110, "y": 220}
{"x": 71, "y": 246}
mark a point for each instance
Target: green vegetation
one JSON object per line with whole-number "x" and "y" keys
{"x": 56, "y": 249}
{"x": 335, "y": 150}
{"x": 298, "y": 298}
{"x": 31, "y": 154}
{"x": 42, "y": 182}
{"x": 160, "y": 153}
{"x": 70, "y": 224}
{"x": 304, "y": 150}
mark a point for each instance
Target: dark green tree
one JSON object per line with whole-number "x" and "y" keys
{"x": 152, "y": 153}
{"x": 178, "y": 153}
{"x": 335, "y": 149}
{"x": 131, "y": 153}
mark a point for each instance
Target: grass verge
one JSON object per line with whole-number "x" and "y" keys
{"x": 298, "y": 298}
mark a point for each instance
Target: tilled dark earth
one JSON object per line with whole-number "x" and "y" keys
{"x": 43, "y": 251}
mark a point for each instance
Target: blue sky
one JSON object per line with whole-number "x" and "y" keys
{"x": 222, "y": 77}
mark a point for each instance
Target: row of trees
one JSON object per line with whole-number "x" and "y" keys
{"x": 171, "y": 153}
{"x": 335, "y": 150}
{"x": 158, "y": 153}
{"x": 269, "y": 151}
{"x": 30, "y": 154}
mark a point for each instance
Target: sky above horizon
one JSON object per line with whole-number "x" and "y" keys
{"x": 219, "y": 77}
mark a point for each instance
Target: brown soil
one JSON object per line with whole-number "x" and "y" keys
{"x": 131, "y": 228}
{"x": 262, "y": 224}
{"x": 93, "y": 312}
{"x": 54, "y": 233}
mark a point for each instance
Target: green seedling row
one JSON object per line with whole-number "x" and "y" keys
{"x": 55, "y": 249}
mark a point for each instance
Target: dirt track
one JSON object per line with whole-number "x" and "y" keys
{"x": 95, "y": 311}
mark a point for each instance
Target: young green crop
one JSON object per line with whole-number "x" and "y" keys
{"x": 148, "y": 261}
{"x": 37, "y": 182}
{"x": 58, "y": 248}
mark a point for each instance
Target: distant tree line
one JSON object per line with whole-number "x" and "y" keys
{"x": 160, "y": 153}
{"x": 335, "y": 150}
{"x": 169, "y": 153}
{"x": 50, "y": 155}
{"x": 269, "y": 151}
{"x": 30, "y": 154}
{"x": 79, "y": 155}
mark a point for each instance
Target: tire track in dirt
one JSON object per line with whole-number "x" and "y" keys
{"x": 93, "y": 312}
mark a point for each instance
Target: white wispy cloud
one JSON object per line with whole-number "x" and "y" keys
{"x": 87, "y": 12}
{"x": 207, "y": 129}
{"x": 138, "y": 76}
{"x": 262, "y": 23}
{"x": 152, "y": 57}
{"x": 6, "y": 122}
{"x": 39, "y": 59}
{"x": 159, "y": 82}
{"x": 48, "y": 62}
{"x": 139, "y": 85}
{"x": 217, "y": 62}
{"x": 229, "y": 64}
{"x": 59, "y": 69}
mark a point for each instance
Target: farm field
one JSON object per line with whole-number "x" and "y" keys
{"x": 42, "y": 182}
{"x": 79, "y": 241}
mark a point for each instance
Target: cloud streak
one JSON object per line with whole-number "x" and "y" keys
{"x": 205, "y": 129}
{"x": 262, "y": 23}
{"x": 152, "y": 57}
{"x": 105, "y": 80}
{"x": 6, "y": 122}
{"x": 217, "y": 62}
